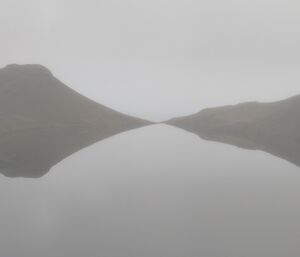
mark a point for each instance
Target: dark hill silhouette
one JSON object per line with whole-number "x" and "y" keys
{"x": 270, "y": 127}
{"x": 42, "y": 121}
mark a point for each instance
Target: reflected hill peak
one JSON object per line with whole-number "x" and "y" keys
{"x": 42, "y": 121}
{"x": 270, "y": 127}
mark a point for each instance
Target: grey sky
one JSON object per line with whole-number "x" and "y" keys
{"x": 159, "y": 59}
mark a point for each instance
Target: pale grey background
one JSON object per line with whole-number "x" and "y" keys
{"x": 157, "y": 191}
{"x": 159, "y": 59}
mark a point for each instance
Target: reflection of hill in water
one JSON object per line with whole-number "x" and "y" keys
{"x": 155, "y": 191}
{"x": 42, "y": 121}
{"x": 270, "y": 127}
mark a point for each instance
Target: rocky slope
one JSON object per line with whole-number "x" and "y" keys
{"x": 270, "y": 127}
{"x": 42, "y": 121}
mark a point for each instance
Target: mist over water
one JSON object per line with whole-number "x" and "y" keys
{"x": 155, "y": 191}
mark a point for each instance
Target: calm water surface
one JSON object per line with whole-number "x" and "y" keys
{"x": 155, "y": 192}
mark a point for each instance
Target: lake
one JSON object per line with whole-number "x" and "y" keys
{"x": 157, "y": 191}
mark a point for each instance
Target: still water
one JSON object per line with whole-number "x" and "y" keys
{"x": 155, "y": 192}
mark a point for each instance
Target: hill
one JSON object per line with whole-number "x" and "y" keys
{"x": 270, "y": 127}
{"x": 42, "y": 121}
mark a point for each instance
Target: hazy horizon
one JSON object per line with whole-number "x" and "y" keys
{"x": 78, "y": 179}
{"x": 159, "y": 59}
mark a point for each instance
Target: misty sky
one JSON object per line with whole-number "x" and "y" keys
{"x": 160, "y": 58}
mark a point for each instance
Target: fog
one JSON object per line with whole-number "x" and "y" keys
{"x": 159, "y": 59}
{"x": 155, "y": 191}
